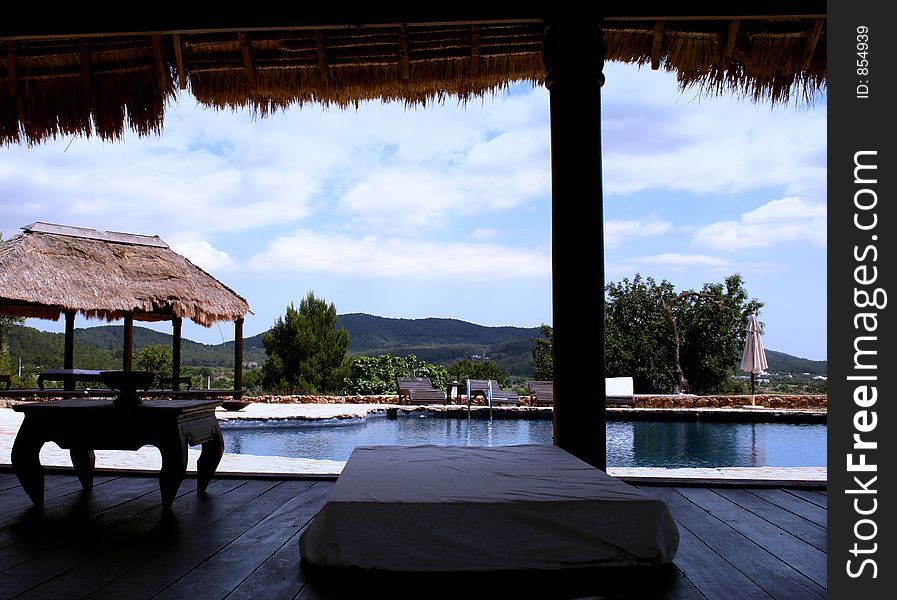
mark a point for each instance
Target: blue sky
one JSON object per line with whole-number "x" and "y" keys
{"x": 444, "y": 210}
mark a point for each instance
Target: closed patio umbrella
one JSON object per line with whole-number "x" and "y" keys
{"x": 753, "y": 360}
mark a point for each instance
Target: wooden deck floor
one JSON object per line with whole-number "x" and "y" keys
{"x": 241, "y": 541}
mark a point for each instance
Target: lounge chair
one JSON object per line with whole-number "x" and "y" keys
{"x": 480, "y": 387}
{"x": 542, "y": 392}
{"x": 619, "y": 390}
{"x": 419, "y": 390}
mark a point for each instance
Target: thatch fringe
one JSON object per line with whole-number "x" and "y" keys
{"x": 100, "y": 86}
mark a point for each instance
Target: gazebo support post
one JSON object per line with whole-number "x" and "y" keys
{"x": 69, "y": 355}
{"x": 128, "y": 350}
{"x": 574, "y": 59}
{"x": 176, "y": 323}
{"x": 238, "y": 357}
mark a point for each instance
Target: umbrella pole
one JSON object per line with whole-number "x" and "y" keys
{"x": 752, "y": 388}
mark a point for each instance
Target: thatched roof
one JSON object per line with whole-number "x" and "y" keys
{"x": 49, "y": 269}
{"x": 56, "y": 83}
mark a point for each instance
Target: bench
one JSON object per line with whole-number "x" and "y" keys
{"x": 70, "y": 377}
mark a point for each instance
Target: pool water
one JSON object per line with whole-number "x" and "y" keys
{"x": 629, "y": 443}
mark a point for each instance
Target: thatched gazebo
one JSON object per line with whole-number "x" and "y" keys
{"x": 52, "y": 270}
{"x": 64, "y": 75}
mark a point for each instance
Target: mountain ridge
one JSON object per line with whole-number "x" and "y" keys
{"x": 432, "y": 339}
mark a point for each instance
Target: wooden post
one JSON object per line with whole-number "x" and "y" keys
{"x": 68, "y": 361}
{"x": 128, "y": 350}
{"x": 238, "y": 355}
{"x": 176, "y": 351}
{"x": 574, "y": 59}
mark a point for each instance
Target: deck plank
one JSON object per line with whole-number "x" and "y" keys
{"x": 211, "y": 531}
{"x": 799, "y": 506}
{"x": 815, "y": 496}
{"x": 807, "y": 530}
{"x": 736, "y": 552}
{"x": 116, "y": 547}
{"x": 241, "y": 542}
{"x": 35, "y": 536}
{"x": 800, "y": 555}
{"x": 61, "y": 494}
{"x": 295, "y": 502}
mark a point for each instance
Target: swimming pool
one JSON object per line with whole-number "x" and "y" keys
{"x": 671, "y": 444}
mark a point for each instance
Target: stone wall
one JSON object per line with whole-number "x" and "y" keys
{"x": 799, "y": 402}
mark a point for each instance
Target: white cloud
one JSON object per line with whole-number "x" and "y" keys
{"x": 394, "y": 257}
{"x": 202, "y": 254}
{"x": 618, "y": 231}
{"x": 780, "y": 221}
{"x": 656, "y": 137}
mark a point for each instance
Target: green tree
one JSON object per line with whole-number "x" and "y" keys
{"x": 543, "y": 355}
{"x": 306, "y": 351}
{"x": 675, "y": 342}
{"x": 377, "y": 374}
{"x": 477, "y": 369}
{"x": 156, "y": 358}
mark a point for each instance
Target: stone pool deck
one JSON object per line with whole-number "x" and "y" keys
{"x": 148, "y": 459}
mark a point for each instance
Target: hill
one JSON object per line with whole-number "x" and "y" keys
{"x": 439, "y": 341}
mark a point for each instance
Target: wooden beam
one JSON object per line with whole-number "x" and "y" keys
{"x": 85, "y": 72}
{"x": 248, "y": 64}
{"x": 68, "y": 360}
{"x": 11, "y": 68}
{"x": 179, "y": 61}
{"x": 657, "y": 45}
{"x": 70, "y": 22}
{"x": 474, "y": 49}
{"x": 176, "y": 348}
{"x": 238, "y": 355}
{"x": 323, "y": 67}
{"x": 159, "y": 61}
{"x": 812, "y": 42}
{"x": 731, "y": 39}
{"x": 127, "y": 354}
{"x": 404, "y": 66}
{"x": 574, "y": 60}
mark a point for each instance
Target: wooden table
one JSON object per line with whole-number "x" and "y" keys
{"x": 85, "y": 425}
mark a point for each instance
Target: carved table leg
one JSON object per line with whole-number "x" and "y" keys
{"x": 173, "y": 448}
{"x": 84, "y": 460}
{"x": 211, "y": 454}
{"x": 26, "y": 461}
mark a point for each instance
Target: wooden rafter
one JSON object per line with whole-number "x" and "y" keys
{"x": 657, "y": 45}
{"x": 85, "y": 71}
{"x": 179, "y": 61}
{"x": 248, "y": 64}
{"x": 812, "y": 41}
{"x": 323, "y": 66}
{"x": 11, "y": 68}
{"x": 474, "y": 49}
{"x": 731, "y": 38}
{"x": 404, "y": 66}
{"x": 159, "y": 62}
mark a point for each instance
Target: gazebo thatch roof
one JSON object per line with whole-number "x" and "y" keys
{"x": 50, "y": 269}
{"x": 55, "y": 82}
